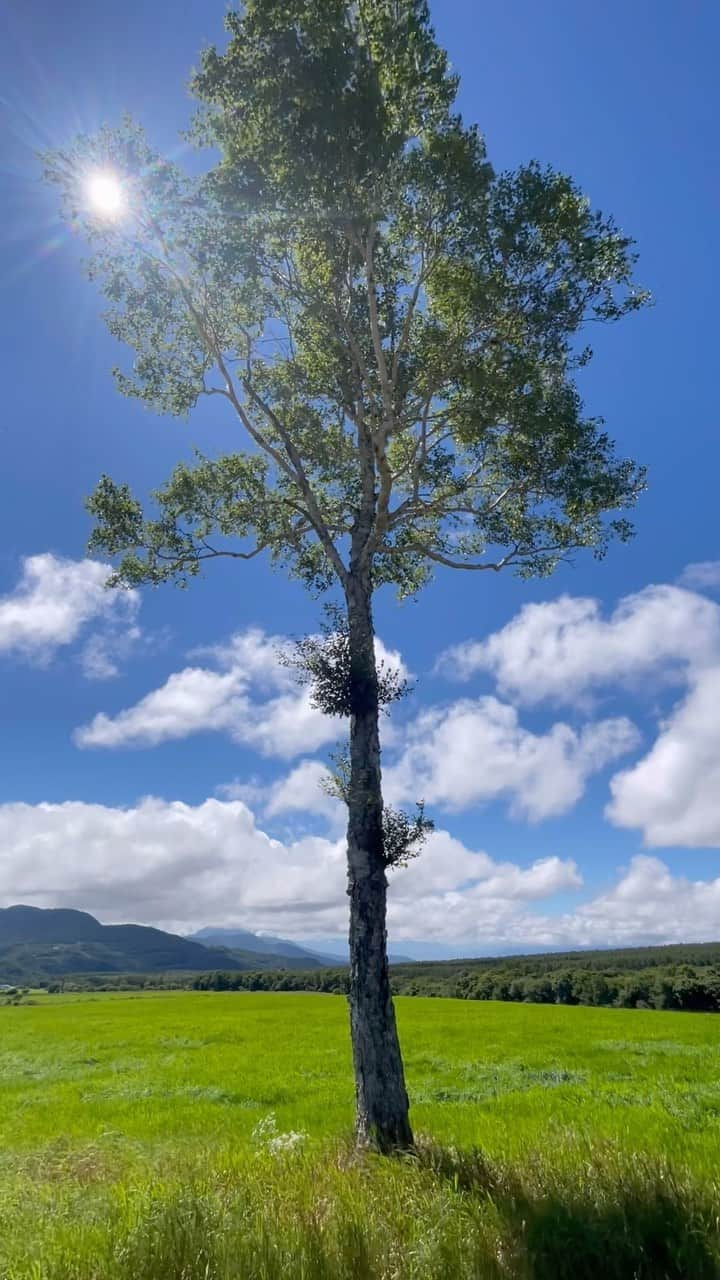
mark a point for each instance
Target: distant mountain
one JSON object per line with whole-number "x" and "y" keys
{"x": 33, "y": 924}
{"x": 37, "y": 944}
{"x": 263, "y": 943}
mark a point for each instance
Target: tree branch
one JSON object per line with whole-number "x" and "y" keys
{"x": 472, "y": 566}
{"x": 293, "y": 469}
{"x": 212, "y": 552}
{"x": 407, "y": 323}
{"x": 300, "y": 478}
{"x": 385, "y": 428}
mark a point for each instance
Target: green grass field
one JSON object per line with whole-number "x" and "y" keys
{"x": 554, "y": 1142}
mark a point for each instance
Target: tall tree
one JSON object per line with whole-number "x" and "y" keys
{"x": 392, "y": 326}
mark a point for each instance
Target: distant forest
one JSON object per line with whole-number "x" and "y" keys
{"x": 682, "y": 976}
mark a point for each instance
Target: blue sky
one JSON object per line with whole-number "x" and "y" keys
{"x": 620, "y": 96}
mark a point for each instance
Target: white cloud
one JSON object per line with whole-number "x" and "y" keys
{"x": 558, "y": 650}
{"x": 299, "y": 791}
{"x": 561, "y": 650}
{"x": 673, "y": 793}
{"x": 251, "y": 697}
{"x": 182, "y": 866}
{"x": 704, "y": 574}
{"x": 460, "y": 756}
{"x": 253, "y": 654}
{"x": 102, "y": 652}
{"x": 258, "y": 655}
{"x": 163, "y": 861}
{"x": 648, "y": 904}
{"x": 451, "y": 893}
{"x": 392, "y": 659}
{"x": 303, "y": 790}
{"x": 53, "y": 602}
{"x": 246, "y": 693}
{"x": 189, "y": 700}
{"x": 474, "y": 751}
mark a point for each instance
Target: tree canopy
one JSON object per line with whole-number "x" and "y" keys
{"x": 395, "y": 329}
{"x": 377, "y": 306}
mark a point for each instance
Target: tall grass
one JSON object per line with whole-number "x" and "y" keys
{"x": 135, "y": 1144}
{"x": 443, "y": 1215}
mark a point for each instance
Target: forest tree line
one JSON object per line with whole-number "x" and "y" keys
{"x": 682, "y": 977}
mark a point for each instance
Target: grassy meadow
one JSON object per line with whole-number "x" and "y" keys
{"x": 206, "y": 1136}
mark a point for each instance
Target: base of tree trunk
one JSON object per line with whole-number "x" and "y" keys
{"x": 383, "y": 1122}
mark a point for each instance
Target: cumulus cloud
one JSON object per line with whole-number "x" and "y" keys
{"x": 182, "y": 866}
{"x": 246, "y": 693}
{"x": 664, "y": 635}
{"x": 456, "y": 756}
{"x": 559, "y": 650}
{"x": 451, "y": 893}
{"x": 648, "y": 905}
{"x": 53, "y": 603}
{"x": 190, "y": 700}
{"x": 460, "y": 756}
{"x": 673, "y": 794}
{"x": 474, "y": 751}
{"x": 164, "y": 861}
{"x": 704, "y": 574}
{"x": 299, "y": 791}
{"x": 258, "y": 655}
{"x": 303, "y": 789}
{"x": 103, "y": 651}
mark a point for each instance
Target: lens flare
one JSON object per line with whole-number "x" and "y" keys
{"x": 105, "y": 194}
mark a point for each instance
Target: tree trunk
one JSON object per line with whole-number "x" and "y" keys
{"x": 381, "y": 1099}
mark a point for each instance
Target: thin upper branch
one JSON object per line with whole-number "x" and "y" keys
{"x": 516, "y": 555}
{"x": 473, "y": 566}
{"x": 386, "y": 385}
{"x": 211, "y": 552}
{"x": 293, "y": 468}
{"x": 300, "y": 478}
{"x": 407, "y": 323}
{"x": 384, "y": 429}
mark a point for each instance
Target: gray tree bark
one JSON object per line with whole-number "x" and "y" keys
{"x": 382, "y": 1106}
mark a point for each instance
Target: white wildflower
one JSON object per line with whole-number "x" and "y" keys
{"x": 265, "y": 1129}
{"x": 293, "y": 1140}
{"x": 266, "y": 1134}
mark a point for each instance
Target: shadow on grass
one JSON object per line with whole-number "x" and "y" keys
{"x": 437, "y": 1214}
{"x": 615, "y": 1219}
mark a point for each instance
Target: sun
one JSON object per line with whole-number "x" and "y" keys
{"x": 105, "y": 193}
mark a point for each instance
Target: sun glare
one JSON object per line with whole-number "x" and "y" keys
{"x": 105, "y": 194}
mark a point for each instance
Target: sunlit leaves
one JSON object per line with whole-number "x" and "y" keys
{"x": 394, "y": 328}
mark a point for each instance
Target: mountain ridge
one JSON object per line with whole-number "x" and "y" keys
{"x": 46, "y": 942}
{"x": 280, "y": 946}
{"x": 246, "y": 940}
